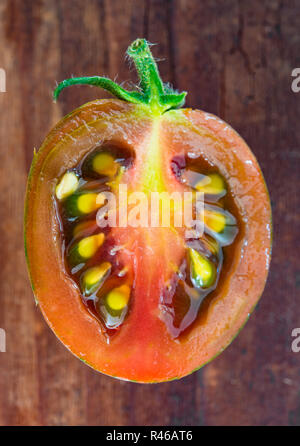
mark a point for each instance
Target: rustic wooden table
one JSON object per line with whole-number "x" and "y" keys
{"x": 235, "y": 58}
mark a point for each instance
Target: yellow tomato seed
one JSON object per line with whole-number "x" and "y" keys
{"x": 95, "y": 275}
{"x": 87, "y": 203}
{"x": 212, "y": 184}
{"x": 202, "y": 269}
{"x": 215, "y": 220}
{"x": 118, "y": 298}
{"x": 67, "y": 185}
{"x": 88, "y": 246}
{"x": 104, "y": 164}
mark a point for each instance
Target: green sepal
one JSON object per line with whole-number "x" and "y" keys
{"x": 102, "y": 82}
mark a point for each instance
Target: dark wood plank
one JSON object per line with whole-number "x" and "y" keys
{"x": 235, "y": 59}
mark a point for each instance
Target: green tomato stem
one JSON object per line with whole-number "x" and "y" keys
{"x": 153, "y": 93}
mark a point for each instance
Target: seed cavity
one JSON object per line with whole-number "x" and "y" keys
{"x": 210, "y": 245}
{"x": 67, "y": 185}
{"x": 100, "y": 275}
{"x": 203, "y": 272}
{"x": 85, "y": 228}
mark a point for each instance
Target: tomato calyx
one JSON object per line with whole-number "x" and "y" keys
{"x": 159, "y": 97}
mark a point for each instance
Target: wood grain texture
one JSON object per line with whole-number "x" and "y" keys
{"x": 235, "y": 59}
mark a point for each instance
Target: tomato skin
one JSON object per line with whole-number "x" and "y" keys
{"x": 143, "y": 351}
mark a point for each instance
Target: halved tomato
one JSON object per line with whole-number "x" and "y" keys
{"x": 143, "y": 294}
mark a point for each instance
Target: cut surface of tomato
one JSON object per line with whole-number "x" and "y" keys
{"x": 139, "y": 294}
